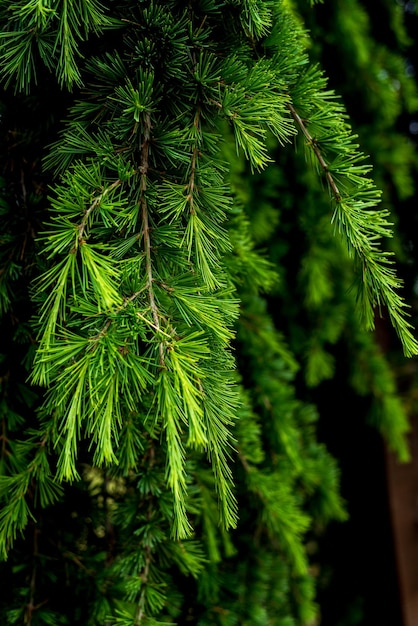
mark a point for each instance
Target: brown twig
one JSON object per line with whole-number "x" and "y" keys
{"x": 31, "y": 607}
{"x": 195, "y": 154}
{"x": 314, "y": 145}
{"x": 140, "y": 614}
{"x": 82, "y": 226}
{"x": 4, "y": 439}
{"x": 146, "y": 228}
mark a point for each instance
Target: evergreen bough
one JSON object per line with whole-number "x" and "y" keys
{"x": 134, "y": 453}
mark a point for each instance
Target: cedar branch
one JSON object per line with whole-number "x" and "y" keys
{"x": 145, "y": 226}
{"x": 311, "y": 142}
{"x": 82, "y": 226}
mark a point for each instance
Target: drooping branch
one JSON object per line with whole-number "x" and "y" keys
{"x": 144, "y": 166}
{"x": 362, "y": 231}
{"x": 314, "y": 145}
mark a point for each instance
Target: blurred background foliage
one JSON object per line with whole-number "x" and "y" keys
{"x": 369, "y": 53}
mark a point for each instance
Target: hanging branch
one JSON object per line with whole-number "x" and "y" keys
{"x": 314, "y": 145}
{"x": 146, "y": 228}
{"x": 363, "y": 227}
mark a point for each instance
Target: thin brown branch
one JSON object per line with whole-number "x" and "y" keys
{"x": 140, "y": 614}
{"x": 108, "y": 323}
{"x": 144, "y": 167}
{"x": 31, "y": 607}
{"x": 4, "y": 439}
{"x": 94, "y": 204}
{"x": 144, "y": 575}
{"x": 133, "y": 23}
{"x": 243, "y": 460}
{"x": 195, "y": 154}
{"x": 23, "y": 186}
{"x": 215, "y": 102}
{"x": 94, "y": 340}
{"x": 316, "y": 150}
{"x": 77, "y": 561}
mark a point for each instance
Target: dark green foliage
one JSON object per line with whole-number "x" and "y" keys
{"x": 159, "y": 454}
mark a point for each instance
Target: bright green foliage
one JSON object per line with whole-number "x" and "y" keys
{"x": 156, "y": 458}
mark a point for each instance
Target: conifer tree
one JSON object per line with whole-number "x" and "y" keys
{"x": 159, "y": 463}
